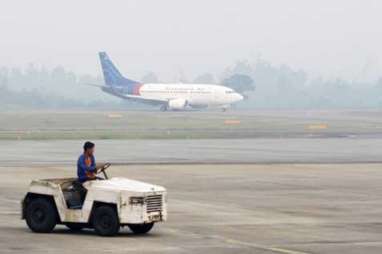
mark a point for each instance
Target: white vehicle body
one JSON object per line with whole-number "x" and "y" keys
{"x": 168, "y": 96}
{"x": 135, "y": 202}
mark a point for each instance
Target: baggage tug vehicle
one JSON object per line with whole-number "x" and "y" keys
{"x": 106, "y": 205}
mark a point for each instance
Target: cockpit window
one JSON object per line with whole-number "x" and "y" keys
{"x": 229, "y": 91}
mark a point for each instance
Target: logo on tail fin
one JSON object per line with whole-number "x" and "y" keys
{"x": 114, "y": 78}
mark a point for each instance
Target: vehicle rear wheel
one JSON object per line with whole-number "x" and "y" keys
{"x": 105, "y": 221}
{"x": 141, "y": 228}
{"x": 75, "y": 226}
{"x": 41, "y": 215}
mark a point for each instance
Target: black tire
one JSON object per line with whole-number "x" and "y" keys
{"x": 105, "y": 221}
{"x": 164, "y": 108}
{"x": 75, "y": 226}
{"x": 141, "y": 228}
{"x": 41, "y": 215}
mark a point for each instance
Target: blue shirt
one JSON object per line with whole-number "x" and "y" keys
{"x": 82, "y": 168}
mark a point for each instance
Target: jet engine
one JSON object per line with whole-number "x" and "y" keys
{"x": 177, "y": 104}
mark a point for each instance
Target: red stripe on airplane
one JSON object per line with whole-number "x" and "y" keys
{"x": 136, "y": 89}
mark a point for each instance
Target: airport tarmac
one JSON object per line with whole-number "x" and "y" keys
{"x": 304, "y": 183}
{"x": 283, "y": 208}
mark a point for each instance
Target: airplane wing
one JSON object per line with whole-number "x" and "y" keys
{"x": 143, "y": 100}
{"x": 96, "y": 85}
{"x": 134, "y": 98}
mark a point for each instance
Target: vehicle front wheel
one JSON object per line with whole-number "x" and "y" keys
{"x": 105, "y": 221}
{"x": 41, "y": 215}
{"x": 140, "y": 228}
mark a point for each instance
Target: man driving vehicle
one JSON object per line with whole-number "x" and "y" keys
{"x": 86, "y": 165}
{"x": 87, "y": 170}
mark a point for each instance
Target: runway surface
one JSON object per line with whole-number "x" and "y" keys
{"x": 205, "y": 151}
{"x": 281, "y": 209}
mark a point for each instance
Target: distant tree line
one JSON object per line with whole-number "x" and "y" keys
{"x": 263, "y": 84}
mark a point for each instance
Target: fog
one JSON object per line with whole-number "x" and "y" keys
{"x": 299, "y": 54}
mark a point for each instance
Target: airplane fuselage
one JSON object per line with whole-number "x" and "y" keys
{"x": 195, "y": 95}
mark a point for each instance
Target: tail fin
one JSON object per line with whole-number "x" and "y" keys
{"x": 112, "y": 75}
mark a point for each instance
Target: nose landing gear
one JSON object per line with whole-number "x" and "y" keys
{"x": 164, "y": 108}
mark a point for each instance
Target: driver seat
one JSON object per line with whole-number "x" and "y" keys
{"x": 75, "y": 195}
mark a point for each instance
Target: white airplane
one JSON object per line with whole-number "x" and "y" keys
{"x": 168, "y": 96}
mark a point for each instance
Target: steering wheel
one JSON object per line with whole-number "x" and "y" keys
{"x": 103, "y": 170}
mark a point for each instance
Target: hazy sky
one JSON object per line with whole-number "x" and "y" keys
{"x": 330, "y": 37}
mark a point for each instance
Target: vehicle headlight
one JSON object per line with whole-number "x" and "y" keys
{"x": 137, "y": 200}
